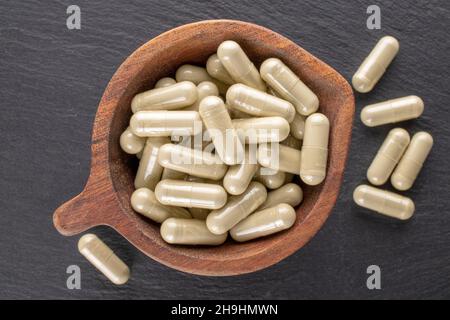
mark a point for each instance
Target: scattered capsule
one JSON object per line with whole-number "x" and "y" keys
{"x": 189, "y": 231}
{"x": 197, "y": 75}
{"x": 279, "y": 157}
{"x": 190, "y": 194}
{"x": 103, "y": 258}
{"x": 265, "y": 222}
{"x": 239, "y": 66}
{"x": 261, "y": 130}
{"x": 292, "y": 142}
{"x": 384, "y": 202}
{"x": 289, "y": 86}
{"x": 258, "y": 103}
{"x": 204, "y": 89}
{"x": 216, "y": 70}
{"x": 376, "y": 63}
{"x": 388, "y": 156}
{"x": 149, "y": 170}
{"x": 297, "y": 126}
{"x": 164, "y": 82}
{"x": 131, "y": 143}
{"x": 218, "y": 122}
{"x": 315, "y": 149}
{"x": 165, "y": 123}
{"x": 172, "y": 97}
{"x": 144, "y": 201}
{"x": 290, "y": 194}
{"x": 392, "y": 111}
{"x": 191, "y": 161}
{"x": 237, "y": 208}
{"x": 271, "y": 179}
{"x": 412, "y": 161}
{"x": 239, "y": 176}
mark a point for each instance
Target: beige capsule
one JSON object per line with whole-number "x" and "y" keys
{"x": 139, "y": 154}
{"x": 215, "y": 69}
{"x": 149, "y": 170}
{"x": 199, "y": 213}
{"x": 189, "y": 231}
{"x": 376, "y": 63}
{"x": 286, "y": 83}
{"x": 258, "y": 103}
{"x": 384, "y": 202}
{"x": 388, "y": 156}
{"x": 239, "y": 66}
{"x": 239, "y": 176}
{"x": 172, "y": 97}
{"x": 392, "y": 111}
{"x": 260, "y": 130}
{"x": 297, "y": 126}
{"x": 412, "y": 161}
{"x": 292, "y": 142}
{"x": 144, "y": 201}
{"x": 190, "y": 194}
{"x": 218, "y": 122}
{"x": 279, "y": 157}
{"x": 290, "y": 194}
{"x": 164, "y": 82}
{"x": 191, "y": 161}
{"x": 131, "y": 143}
{"x": 271, "y": 179}
{"x": 237, "y": 208}
{"x": 204, "y": 89}
{"x": 165, "y": 123}
{"x": 103, "y": 258}
{"x": 315, "y": 149}
{"x": 196, "y": 74}
{"x": 264, "y": 222}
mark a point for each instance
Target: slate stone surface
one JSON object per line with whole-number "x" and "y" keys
{"x": 51, "y": 82}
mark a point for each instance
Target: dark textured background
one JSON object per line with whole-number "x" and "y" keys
{"x": 51, "y": 82}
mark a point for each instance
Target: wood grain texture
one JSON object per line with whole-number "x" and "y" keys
{"x": 111, "y": 180}
{"x": 51, "y": 84}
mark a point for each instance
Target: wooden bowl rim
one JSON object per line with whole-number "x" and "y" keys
{"x": 72, "y": 217}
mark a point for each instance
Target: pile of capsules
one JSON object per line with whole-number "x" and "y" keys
{"x": 200, "y": 192}
{"x": 399, "y": 157}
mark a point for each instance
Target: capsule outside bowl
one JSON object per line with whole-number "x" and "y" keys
{"x": 106, "y": 197}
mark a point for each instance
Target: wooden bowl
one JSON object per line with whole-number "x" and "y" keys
{"x": 105, "y": 199}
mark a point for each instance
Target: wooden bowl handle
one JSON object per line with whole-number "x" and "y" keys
{"x": 86, "y": 210}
